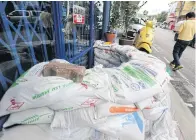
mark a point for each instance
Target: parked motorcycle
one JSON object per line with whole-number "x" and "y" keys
{"x": 144, "y": 37}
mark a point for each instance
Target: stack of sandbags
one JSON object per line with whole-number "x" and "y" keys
{"x": 107, "y": 55}
{"x": 118, "y": 102}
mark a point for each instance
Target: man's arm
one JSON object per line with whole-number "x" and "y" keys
{"x": 181, "y": 28}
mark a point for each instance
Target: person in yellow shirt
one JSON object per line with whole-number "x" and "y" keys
{"x": 186, "y": 34}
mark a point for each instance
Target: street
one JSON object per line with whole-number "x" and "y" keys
{"x": 184, "y": 79}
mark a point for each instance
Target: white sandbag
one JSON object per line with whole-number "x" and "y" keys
{"x": 42, "y": 115}
{"x": 106, "y": 109}
{"x": 100, "y": 44}
{"x": 35, "y": 71}
{"x": 147, "y": 103}
{"x": 94, "y": 81}
{"x": 128, "y": 85}
{"x": 33, "y": 92}
{"x": 105, "y": 63}
{"x": 83, "y": 133}
{"x": 97, "y": 63}
{"x": 45, "y": 91}
{"x": 97, "y": 135}
{"x": 159, "y": 100}
{"x": 126, "y": 126}
{"x": 115, "y": 54}
{"x": 75, "y": 134}
{"x": 142, "y": 84}
{"x": 123, "y": 49}
{"x": 153, "y": 113}
{"x": 156, "y": 69}
{"x": 163, "y": 128}
{"x": 26, "y": 132}
{"x": 84, "y": 117}
{"x": 106, "y": 54}
{"x": 76, "y": 102}
{"x": 43, "y": 132}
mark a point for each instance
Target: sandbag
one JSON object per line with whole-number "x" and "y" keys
{"x": 126, "y": 126}
{"x": 108, "y": 55}
{"x": 32, "y": 116}
{"x": 105, "y": 63}
{"x": 76, "y": 102}
{"x": 97, "y": 135}
{"x": 43, "y": 132}
{"x": 147, "y": 103}
{"x": 84, "y": 117}
{"x": 35, "y": 71}
{"x": 29, "y": 93}
{"x": 163, "y": 128}
{"x": 114, "y": 54}
{"x": 128, "y": 85}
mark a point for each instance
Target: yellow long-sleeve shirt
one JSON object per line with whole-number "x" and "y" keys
{"x": 187, "y": 30}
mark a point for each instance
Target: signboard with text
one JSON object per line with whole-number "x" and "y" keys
{"x": 78, "y": 15}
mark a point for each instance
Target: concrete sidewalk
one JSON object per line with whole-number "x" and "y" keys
{"x": 183, "y": 116}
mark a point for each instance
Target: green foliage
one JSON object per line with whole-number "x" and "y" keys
{"x": 128, "y": 11}
{"x": 115, "y": 14}
{"x": 162, "y": 16}
{"x": 122, "y": 12}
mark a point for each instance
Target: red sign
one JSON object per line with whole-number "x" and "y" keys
{"x": 78, "y": 19}
{"x": 78, "y": 15}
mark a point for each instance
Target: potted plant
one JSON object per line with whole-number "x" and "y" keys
{"x": 114, "y": 22}
{"x": 110, "y": 35}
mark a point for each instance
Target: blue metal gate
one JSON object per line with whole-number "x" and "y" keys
{"x": 79, "y": 38}
{"x": 31, "y": 32}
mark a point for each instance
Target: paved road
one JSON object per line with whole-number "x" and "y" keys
{"x": 184, "y": 79}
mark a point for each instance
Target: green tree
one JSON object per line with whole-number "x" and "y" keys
{"x": 128, "y": 11}
{"x": 115, "y": 14}
{"x": 122, "y": 12}
{"x": 162, "y": 16}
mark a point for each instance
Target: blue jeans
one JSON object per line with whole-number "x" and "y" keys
{"x": 179, "y": 47}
